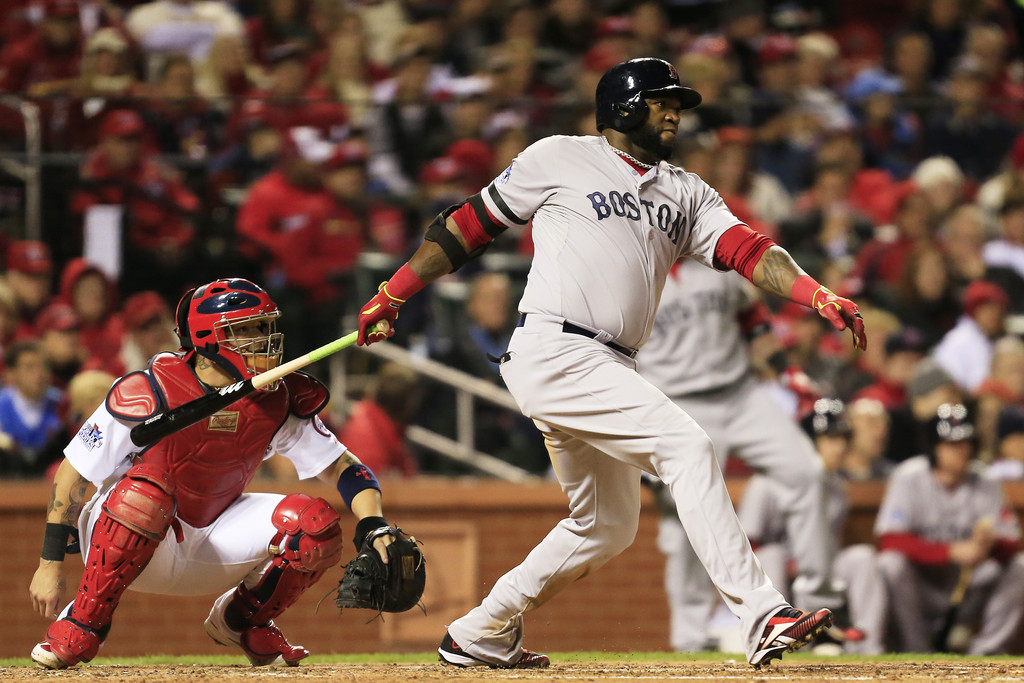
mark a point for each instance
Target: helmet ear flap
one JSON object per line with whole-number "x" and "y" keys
{"x": 181, "y": 318}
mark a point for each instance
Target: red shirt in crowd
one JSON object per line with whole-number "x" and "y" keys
{"x": 378, "y": 440}
{"x": 101, "y": 337}
{"x": 157, "y": 202}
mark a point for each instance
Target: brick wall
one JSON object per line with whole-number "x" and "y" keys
{"x": 473, "y": 530}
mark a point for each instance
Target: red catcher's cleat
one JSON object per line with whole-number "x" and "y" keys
{"x": 263, "y": 645}
{"x": 67, "y": 643}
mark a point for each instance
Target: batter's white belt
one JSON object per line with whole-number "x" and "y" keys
{"x": 533, "y": 319}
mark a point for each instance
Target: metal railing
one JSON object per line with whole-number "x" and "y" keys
{"x": 467, "y": 390}
{"x": 28, "y": 169}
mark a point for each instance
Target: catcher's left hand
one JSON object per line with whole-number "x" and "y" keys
{"x": 369, "y": 583}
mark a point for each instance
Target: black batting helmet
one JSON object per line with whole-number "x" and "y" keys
{"x": 952, "y": 424}
{"x": 827, "y": 419}
{"x": 621, "y": 91}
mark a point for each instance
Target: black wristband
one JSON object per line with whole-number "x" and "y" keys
{"x": 365, "y": 526}
{"x": 55, "y": 541}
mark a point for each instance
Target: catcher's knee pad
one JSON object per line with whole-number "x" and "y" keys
{"x": 71, "y": 642}
{"x": 308, "y": 542}
{"x": 143, "y": 501}
{"x": 134, "y": 520}
{"x": 309, "y": 537}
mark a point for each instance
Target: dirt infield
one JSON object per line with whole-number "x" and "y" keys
{"x": 668, "y": 671}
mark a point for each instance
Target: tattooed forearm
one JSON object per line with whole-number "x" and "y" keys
{"x": 776, "y": 272}
{"x": 78, "y": 494}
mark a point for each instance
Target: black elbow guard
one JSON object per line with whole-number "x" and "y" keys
{"x": 438, "y": 233}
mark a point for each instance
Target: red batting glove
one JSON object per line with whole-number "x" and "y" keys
{"x": 377, "y": 317}
{"x": 842, "y": 313}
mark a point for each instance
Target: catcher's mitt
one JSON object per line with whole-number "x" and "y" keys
{"x": 393, "y": 587}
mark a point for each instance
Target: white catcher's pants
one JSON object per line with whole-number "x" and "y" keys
{"x": 603, "y": 424}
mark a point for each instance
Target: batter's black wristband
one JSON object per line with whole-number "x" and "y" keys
{"x": 365, "y": 526}
{"x": 55, "y": 541}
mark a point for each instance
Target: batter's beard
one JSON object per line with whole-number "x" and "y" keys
{"x": 648, "y": 139}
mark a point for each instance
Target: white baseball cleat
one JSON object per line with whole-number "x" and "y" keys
{"x": 450, "y": 653}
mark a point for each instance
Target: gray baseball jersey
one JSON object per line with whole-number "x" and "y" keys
{"x": 605, "y": 237}
{"x": 697, "y": 344}
{"x": 916, "y": 503}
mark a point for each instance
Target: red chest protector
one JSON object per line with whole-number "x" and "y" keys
{"x": 211, "y": 462}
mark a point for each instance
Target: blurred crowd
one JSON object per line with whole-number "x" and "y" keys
{"x": 291, "y": 140}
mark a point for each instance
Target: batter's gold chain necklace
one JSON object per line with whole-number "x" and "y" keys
{"x": 633, "y": 159}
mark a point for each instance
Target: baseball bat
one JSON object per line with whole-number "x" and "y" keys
{"x": 187, "y": 414}
{"x": 941, "y": 642}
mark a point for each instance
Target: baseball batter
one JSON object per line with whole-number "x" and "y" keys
{"x": 942, "y": 518}
{"x": 610, "y": 217}
{"x": 697, "y": 355}
{"x": 764, "y": 518}
{"x": 172, "y": 518}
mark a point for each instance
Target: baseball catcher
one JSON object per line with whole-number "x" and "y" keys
{"x": 392, "y": 587}
{"x": 172, "y": 518}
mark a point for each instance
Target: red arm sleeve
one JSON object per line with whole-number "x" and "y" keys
{"x": 740, "y": 248}
{"x": 918, "y": 549}
{"x": 468, "y": 219}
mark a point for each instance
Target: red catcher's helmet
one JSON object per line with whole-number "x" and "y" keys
{"x": 233, "y": 323}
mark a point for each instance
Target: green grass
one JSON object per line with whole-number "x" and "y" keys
{"x": 557, "y": 657}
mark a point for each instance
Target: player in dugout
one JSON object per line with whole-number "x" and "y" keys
{"x": 610, "y": 217}
{"x": 173, "y": 519}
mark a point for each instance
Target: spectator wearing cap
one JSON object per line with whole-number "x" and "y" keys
{"x": 93, "y": 297}
{"x": 106, "y": 68}
{"x": 280, "y": 208}
{"x": 1003, "y": 387}
{"x": 29, "y": 276}
{"x": 148, "y": 330}
{"x": 1009, "y": 462}
{"x": 965, "y": 352}
{"x": 158, "y": 207}
{"x": 966, "y": 130}
{"x": 28, "y": 411}
{"x": 162, "y": 27}
{"x": 61, "y": 342}
{"x": 46, "y": 61}
{"x": 890, "y": 135}
{"x": 321, "y": 256}
{"x": 182, "y": 122}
